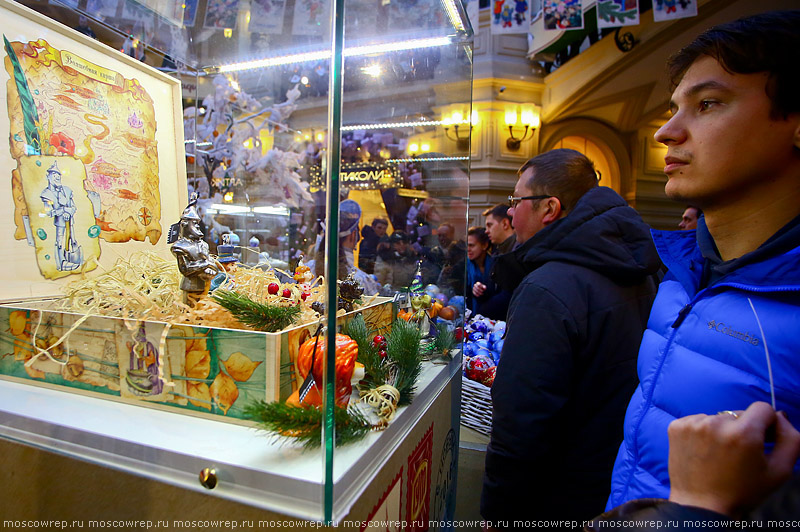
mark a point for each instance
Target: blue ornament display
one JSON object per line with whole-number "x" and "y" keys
{"x": 475, "y": 336}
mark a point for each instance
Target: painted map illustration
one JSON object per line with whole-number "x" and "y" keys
{"x": 83, "y": 137}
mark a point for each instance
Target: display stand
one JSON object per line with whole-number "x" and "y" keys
{"x": 244, "y": 122}
{"x": 406, "y": 471}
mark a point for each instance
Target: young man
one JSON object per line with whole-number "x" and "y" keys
{"x": 373, "y": 236}
{"x": 499, "y": 228}
{"x": 722, "y": 331}
{"x": 501, "y": 235}
{"x": 689, "y": 218}
{"x": 584, "y": 274}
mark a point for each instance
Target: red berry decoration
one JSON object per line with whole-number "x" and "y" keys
{"x": 383, "y": 353}
{"x": 273, "y": 288}
{"x": 378, "y": 340}
{"x": 287, "y": 293}
{"x": 304, "y": 295}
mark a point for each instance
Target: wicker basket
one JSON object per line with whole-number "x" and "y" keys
{"x": 476, "y": 406}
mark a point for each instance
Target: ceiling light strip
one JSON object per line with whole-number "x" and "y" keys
{"x": 427, "y": 159}
{"x": 326, "y": 54}
{"x": 402, "y": 124}
{"x": 454, "y": 15}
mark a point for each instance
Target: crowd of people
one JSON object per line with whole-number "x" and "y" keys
{"x": 650, "y": 378}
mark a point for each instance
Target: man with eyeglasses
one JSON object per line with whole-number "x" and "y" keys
{"x": 584, "y": 278}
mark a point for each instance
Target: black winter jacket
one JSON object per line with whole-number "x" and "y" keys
{"x": 568, "y": 366}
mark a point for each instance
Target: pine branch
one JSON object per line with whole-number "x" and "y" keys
{"x": 445, "y": 339}
{"x": 403, "y": 349}
{"x": 305, "y": 423}
{"x": 269, "y": 318}
{"x": 375, "y": 372}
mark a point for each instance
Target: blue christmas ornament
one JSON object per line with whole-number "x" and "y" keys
{"x": 484, "y": 352}
{"x": 458, "y": 302}
{"x": 498, "y": 346}
{"x": 481, "y": 327}
{"x": 469, "y": 349}
{"x": 496, "y": 357}
{"x": 483, "y": 343}
{"x": 495, "y": 336}
{"x": 475, "y": 336}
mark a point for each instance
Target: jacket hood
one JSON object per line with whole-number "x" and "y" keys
{"x": 601, "y": 233}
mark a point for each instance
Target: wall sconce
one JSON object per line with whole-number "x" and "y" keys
{"x": 456, "y": 119}
{"x": 529, "y": 119}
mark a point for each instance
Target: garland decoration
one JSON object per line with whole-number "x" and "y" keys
{"x": 304, "y": 424}
{"x": 260, "y": 316}
{"x": 384, "y": 400}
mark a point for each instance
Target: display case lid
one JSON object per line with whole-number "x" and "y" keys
{"x": 95, "y": 160}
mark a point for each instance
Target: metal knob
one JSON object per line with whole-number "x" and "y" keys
{"x": 208, "y": 478}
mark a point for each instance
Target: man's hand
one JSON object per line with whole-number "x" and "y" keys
{"x": 718, "y": 462}
{"x": 478, "y": 289}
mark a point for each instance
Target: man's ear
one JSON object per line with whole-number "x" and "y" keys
{"x": 505, "y": 223}
{"x": 553, "y": 210}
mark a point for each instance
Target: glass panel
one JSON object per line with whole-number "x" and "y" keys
{"x": 404, "y": 183}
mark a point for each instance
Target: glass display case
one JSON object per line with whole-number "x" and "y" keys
{"x": 320, "y": 150}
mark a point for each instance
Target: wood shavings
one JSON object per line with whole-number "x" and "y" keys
{"x": 145, "y": 286}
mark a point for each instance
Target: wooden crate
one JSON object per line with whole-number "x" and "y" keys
{"x": 197, "y": 370}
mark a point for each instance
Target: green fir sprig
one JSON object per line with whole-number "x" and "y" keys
{"x": 404, "y": 352}
{"x": 445, "y": 339}
{"x": 402, "y": 365}
{"x": 368, "y": 353}
{"x": 260, "y": 316}
{"x": 304, "y": 424}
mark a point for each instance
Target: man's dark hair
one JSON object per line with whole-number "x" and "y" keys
{"x": 380, "y": 221}
{"x": 767, "y": 42}
{"x": 565, "y": 174}
{"x": 499, "y": 212}
{"x": 479, "y": 233}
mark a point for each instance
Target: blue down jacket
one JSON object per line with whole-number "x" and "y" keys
{"x": 704, "y": 351}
